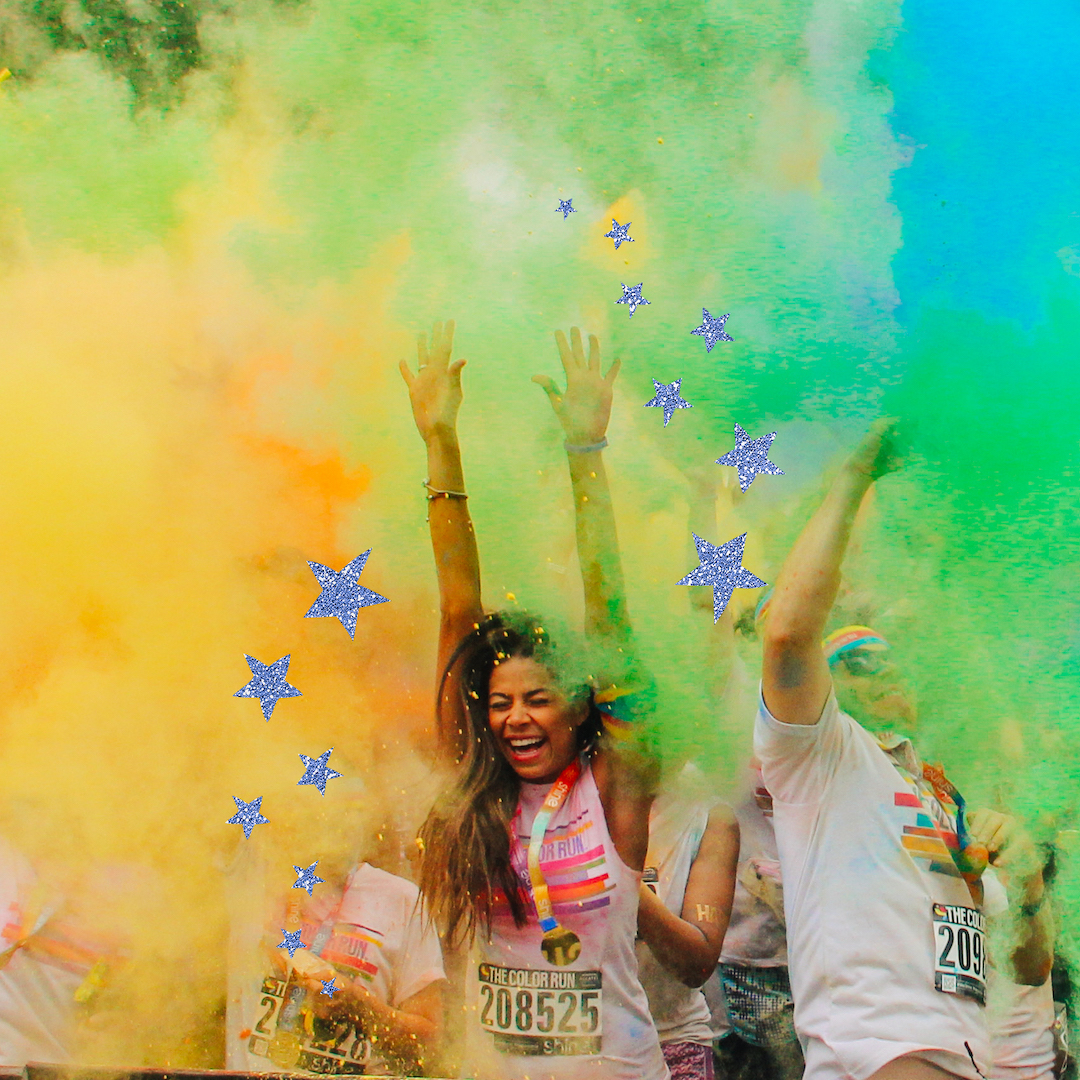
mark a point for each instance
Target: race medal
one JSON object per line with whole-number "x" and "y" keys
{"x": 959, "y": 951}
{"x": 560, "y": 946}
{"x": 284, "y": 1049}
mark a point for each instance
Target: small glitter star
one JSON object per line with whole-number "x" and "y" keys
{"x": 722, "y": 568}
{"x": 248, "y": 814}
{"x": 329, "y": 987}
{"x": 317, "y": 771}
{"x": 291, "y": 941}
{"x": 750, "y": 457}
{"x": 269, "y": 683}
{"x": 632, "y": 297}
{"x": 565, "y": 207}
{"x": 308, "y": 879}
{"x": 667, "y": 398}
{"x": 712, "y": 330}
{"x": 619, "y": 233}
{"x": 342, "y": 595}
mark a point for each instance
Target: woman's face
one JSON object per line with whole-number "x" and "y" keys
{"x": 534, "y": 724}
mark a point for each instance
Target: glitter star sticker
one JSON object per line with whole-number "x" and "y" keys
{"x": 722, "y": 568}
{"x": 269, "y": 684}
{"x": 750, "y": 457}
{"x": 712, "y": 330}
{"x": 308, "y": 879}
{"x": 565, "y": 207}
{"x": 291, "y": 941}
{"x": 248, "y": 814}
{"x": 620, "y": 234}
{"x": 667, "y": 398}
{"x": 317, "y": 772}
{"x": 329, "y": 987}
{"x": 632, "y": 297}
{"x": 342, "y": 595}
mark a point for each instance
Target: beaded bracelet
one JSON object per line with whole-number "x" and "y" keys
{"x": 571, "y": 448}
{"x": 438, "y": 493}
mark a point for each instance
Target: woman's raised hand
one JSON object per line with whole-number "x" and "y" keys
{"x": 435, "y": 387}
{"x": 585, "y": 407}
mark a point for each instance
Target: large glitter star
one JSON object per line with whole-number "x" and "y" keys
{"x": 565, "y": 207}
{"x": 712, "y": 330}
{"x": 750, "y": 457}
{"x": 667, "y": 398}
{"x": 248, "y": 815}
{"x": 269, "y": 683}
{"x": 632, "y": 297}
{"x": 291, "y": 941}
{"x": 619, "y": 233}
{"x": 722, "y": 568}
{"x": 317, "y": 771}
{"x": 329, "y": 987}
{"x": 342, "y": 595}
{"x": 308, "y": 879}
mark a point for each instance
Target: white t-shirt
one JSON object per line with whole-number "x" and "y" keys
{"x": 1021, "y": 1020}
{"x": 531, "y": 1020}
{"x": 375, "y": 933}
{"x": 756, "y": 936}
{"x": 864, "y": 848}
{"x": 680, "y": 1012}
{"x": 39, "y": 980}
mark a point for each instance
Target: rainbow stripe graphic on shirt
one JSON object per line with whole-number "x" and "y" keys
{"x": 572, "y": 858}
{"x": 933, "y": 835}
{"x": 352, "y": 948}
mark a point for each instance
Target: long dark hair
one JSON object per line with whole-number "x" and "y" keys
{"x": 466, "y": 837}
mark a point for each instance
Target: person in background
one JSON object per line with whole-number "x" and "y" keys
{"x": 881, "y": 861}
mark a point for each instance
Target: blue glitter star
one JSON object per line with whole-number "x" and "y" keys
{"x": 248, "y": 814}
{"x": 291, "y": 941}
{"x": 712, "y": 330}
{"x": 329, "y": 987}
{"x": 619, "y": 233}
{"x": 565, "y": 207}
{"x": 342, "y": 595}
{"x": 632, "y": 297}
{"x": 722, "y": 568}
{"x": 317, "y": 771}
{"x": 269, "y": 683}
{"x": 750, "y": 457}
{"x": 667, "y": 398}
{"x": 308, "y": 879}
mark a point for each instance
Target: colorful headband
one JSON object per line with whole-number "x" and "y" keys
{"x": 852, "y": 637}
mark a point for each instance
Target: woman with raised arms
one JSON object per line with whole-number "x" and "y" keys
{"x": 534, "y": 857}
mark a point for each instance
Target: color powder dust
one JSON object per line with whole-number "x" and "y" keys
{"x": 223, "y": 224}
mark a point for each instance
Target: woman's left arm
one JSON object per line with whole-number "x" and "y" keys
{"x": 689, "y": 946}
{"x": 624, "y": 774}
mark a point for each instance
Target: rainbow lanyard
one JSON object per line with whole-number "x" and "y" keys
{"x": 548, "y": 809}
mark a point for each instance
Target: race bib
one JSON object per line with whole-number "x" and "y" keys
{"x": 960, "y": 951}
{"x": 541, "y": 1013}
{"x": 324, "y": 1047}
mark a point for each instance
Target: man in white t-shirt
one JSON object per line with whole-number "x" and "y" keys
{"x": 886, "y": 934}
{"x": 385, "y": 960}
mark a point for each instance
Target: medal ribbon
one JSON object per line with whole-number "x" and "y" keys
{"x": 548, "y": 809}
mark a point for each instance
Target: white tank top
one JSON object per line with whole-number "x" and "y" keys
{"x": 1021, "y": 1021}
{"x": 680, "y": 1012}
{"x": 530, "y": 1020}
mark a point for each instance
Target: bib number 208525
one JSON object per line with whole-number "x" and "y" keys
{"x": 960, "y": 951}
{"x": 541, "y": 1013}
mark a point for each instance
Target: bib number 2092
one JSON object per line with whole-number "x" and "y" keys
{"x": 960, "y": 951}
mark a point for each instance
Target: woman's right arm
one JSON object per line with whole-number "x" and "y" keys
{"x": 435, "y": 395}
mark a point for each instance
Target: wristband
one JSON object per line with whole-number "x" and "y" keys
{"x": 1029, "y": 911}
{"x": 572, "y": 449}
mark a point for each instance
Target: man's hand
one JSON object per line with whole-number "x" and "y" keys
{"x": 881, "y": 451}
{"x": 435, "y": 388}
{"x": 585, "y": 407}
{"x": 1011, "y": 850}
